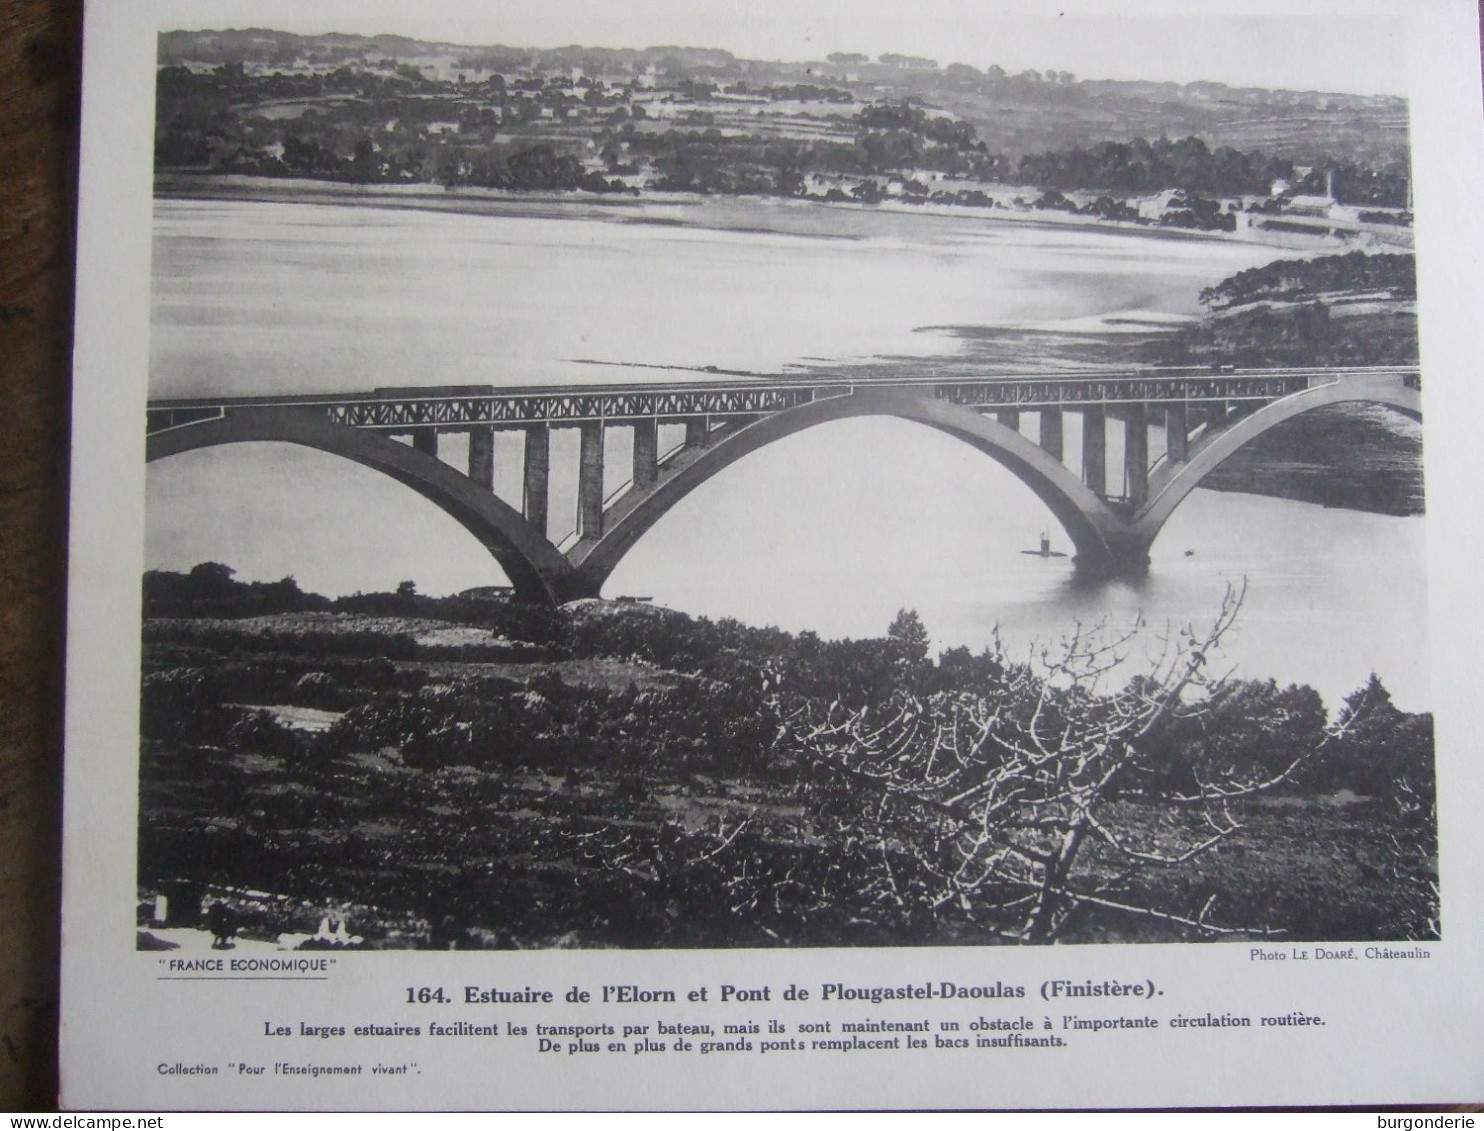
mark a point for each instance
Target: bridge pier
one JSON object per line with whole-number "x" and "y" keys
{"x": 646, "y": 453}
{"x": 425, "y": 440}
{"x": 482, "y": 457}
{"x": 1009, "y": 417}
{"x": 590, "y": 480}
{"x": 697, "y": 432}
{"x": 1124, "y": 553}
{"x": 1095, "y": 449}
{"x": 1177, "y": 433}
{"x": 1051, "y": 432}
{"x": 537, "y": 473}
{"x": 1136, "y": 455}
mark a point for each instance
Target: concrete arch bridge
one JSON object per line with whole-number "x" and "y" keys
{"x": 1205, "y": 416}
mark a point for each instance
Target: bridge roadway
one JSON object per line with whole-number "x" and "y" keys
{"x": 1207, "y": 415}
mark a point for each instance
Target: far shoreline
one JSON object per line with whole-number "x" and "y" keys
{"x": 477, "y": 201}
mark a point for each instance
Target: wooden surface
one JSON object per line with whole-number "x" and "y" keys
{"x": 39, "y": 79}
{"x": 39, "y": 56}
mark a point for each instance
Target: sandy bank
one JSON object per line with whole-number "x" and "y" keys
{"x": 497, "y": 202}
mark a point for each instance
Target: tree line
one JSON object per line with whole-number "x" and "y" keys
{"x": 1286, "y": 280}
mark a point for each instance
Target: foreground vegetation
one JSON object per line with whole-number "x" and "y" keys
{"x": 478, "y": 773}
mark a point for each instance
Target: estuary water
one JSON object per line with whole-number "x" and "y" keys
{"x": 833, "y": 529}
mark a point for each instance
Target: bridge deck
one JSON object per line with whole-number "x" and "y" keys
{"x": 453, "y": 406}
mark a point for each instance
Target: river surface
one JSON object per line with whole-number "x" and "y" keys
{"x": 833, "y": 529}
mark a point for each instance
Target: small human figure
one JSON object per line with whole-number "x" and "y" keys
{"x": 223, "y": 925}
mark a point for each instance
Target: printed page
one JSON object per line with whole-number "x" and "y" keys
{"x": 674, "y": 556}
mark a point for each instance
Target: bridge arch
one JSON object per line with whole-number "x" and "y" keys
{"x": 1172, "y": 483}
{"x": 535, "y": 568}
{"x": 1089, "y": 522}
{"x": 1107, "y": 538}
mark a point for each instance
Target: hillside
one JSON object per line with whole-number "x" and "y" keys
{"x": 383, "y": 109}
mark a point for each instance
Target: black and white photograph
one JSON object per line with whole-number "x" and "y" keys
{"x": 914, "y": 484}
{"x": 675, "y": 556}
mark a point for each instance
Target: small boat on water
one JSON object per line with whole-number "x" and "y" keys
{"x": 1045, "y": 551}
